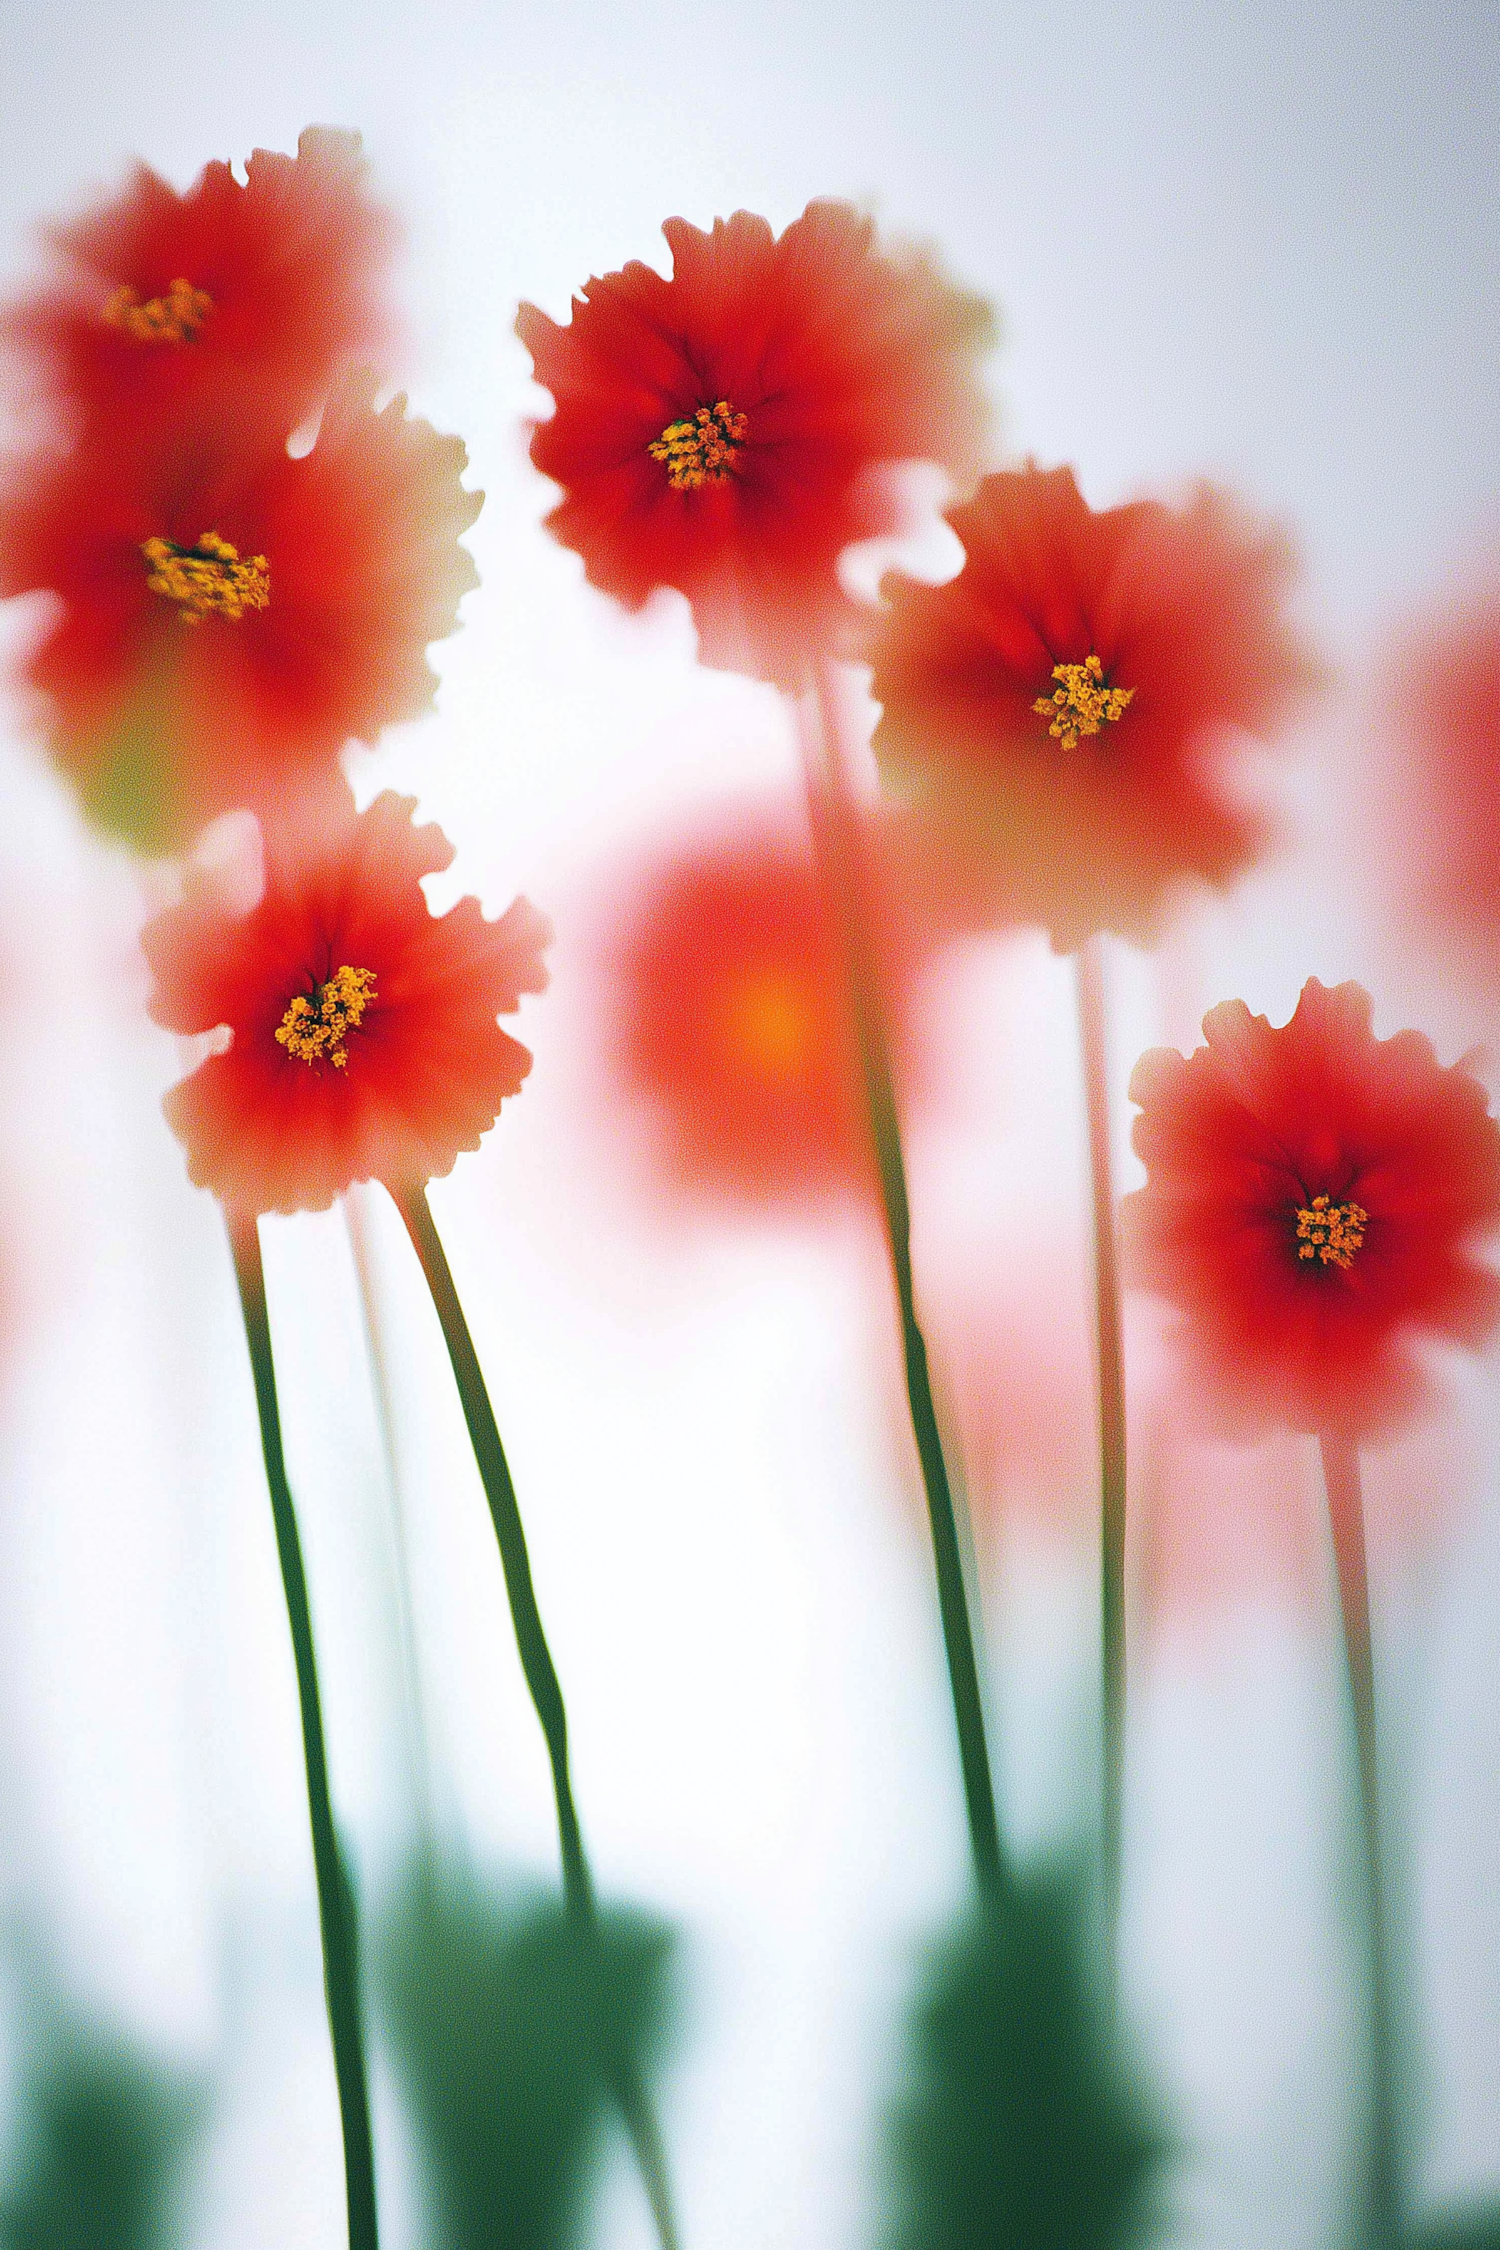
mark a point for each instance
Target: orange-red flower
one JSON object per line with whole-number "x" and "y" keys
{"x": 1060, "y": 712}
{"x": 720, "y": 432}
{"x": 726, "y": 1023}
{"x": 231, "y": 614}
{"x": 1445, "y": 697}
{"x": 363, "y": 1040}
{"x": 250, "y": 297}
{"x": 1313, "y": 1204}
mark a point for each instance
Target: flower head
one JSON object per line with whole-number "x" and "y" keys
{"x": 1058, "y": 713}
{"x": 727, "y": 1024}
{"x": 1444, "y": 695}
{"x": 231, "y": 614}
{"x": 719, "y": 432}
{"x": 363, "y": 1040}
{"x": 1313, "y": 1201}
{"x": 251, "y": 297}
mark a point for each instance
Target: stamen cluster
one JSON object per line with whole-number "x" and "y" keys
{"x": 1331, "y": 1232}
{"x": 701, "y": 450}
{"x": 316, "y": 1024}
{"x": 1083, "y": 704}
{"x": 208, "y": 580}
{"x": 173, "y": 319}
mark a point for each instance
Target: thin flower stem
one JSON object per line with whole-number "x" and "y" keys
{"x": 540, "y": 1673}
{"x": 837, "y": 841}
{"x": 1111, "y": 1373}
{"x": 336, "y": 1906}
{"x": 1347, "y": 1524}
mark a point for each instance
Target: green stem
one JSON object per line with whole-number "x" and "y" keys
{"x": 837, "y": 840}
{"x": 1347, "y": 1524}
{"x": 1111, "y": 1369}
{"x": 336, "y": 1907}
{"x": 539, "y": 1670}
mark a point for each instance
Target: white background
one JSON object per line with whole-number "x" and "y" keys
{"x": 1250, "y": 241}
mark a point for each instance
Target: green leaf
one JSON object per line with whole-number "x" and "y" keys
{"x": 503, "y": 2025}
{"x": 1020, "y": 2128}
{"x": 104, "y": 2137}
{"x": 1477, "y": 2227}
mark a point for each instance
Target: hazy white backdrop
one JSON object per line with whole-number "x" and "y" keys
{"x": 1254, "y": 241}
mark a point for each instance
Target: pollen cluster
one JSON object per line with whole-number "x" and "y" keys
{"x": 173, "y": 319}
{"x": 701, "y": 450}
{"x": 1331, "y": 1232}
{"x": 209, "y": 580}
{"x": 1082, "y": 704}
{"x": 316, "y": 1023}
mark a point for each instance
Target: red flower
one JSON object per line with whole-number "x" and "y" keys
{"x": 727, "y": 1026}
{"x": 1059, "y": 712}
{"x": 718, "y": 432}
{"x": 1313, "y": 1199}
{"x": 1446, "y": 698}
{"x": 249, "y": 297}
{"x": 363, "y": 1036}
{"x": 231, "y": 614}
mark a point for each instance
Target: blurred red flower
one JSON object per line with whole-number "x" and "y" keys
{"x": 1445, "y": 697}
{"x": 727, "y": 1024}
{"x": 231, "y": 614}
{"x": 363, "y": 1041}
{"x": 252, "y": 298}
{"x": 721, "y": 432}
{"x": 1058, "y": 714}
{"x": 1313, "y": 1200}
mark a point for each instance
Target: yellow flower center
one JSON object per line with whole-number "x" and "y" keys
{"x": 1331, "y": 1232}
{"x": 209, "y": 580}
{"x": 173, "y": 319}
{"x": 703, "y": 449}
{"x": 316, "y": 1023}
{"x": 769, "y": 1022}
{"x": 1082, "y": 704}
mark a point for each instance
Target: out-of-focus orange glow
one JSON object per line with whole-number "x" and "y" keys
{"x": 725, "y": 1023}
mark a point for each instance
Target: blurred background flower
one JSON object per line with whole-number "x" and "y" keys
{"x": 252, "y": 294}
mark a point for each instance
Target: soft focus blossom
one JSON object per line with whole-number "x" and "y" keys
{"x": 251, "y": 298}
{"x": 726, "y": 1023}
{"x": 1313, "y": 1203}
{"x": 363, "y": 1040}
{"x": 1443, "y": 694}
{"x": 230, "y": 615}
{"x": 721, "y": 432}
{"x": 1060, "y": 713}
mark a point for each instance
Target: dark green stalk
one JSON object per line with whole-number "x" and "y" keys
{"x": 1347, "y": 1523}
{"x": 1111, "y": 1364}
{"x": 837, "y": 841}
{"x": 539, "y": 1670}
{"x": 336, "y": 1907}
